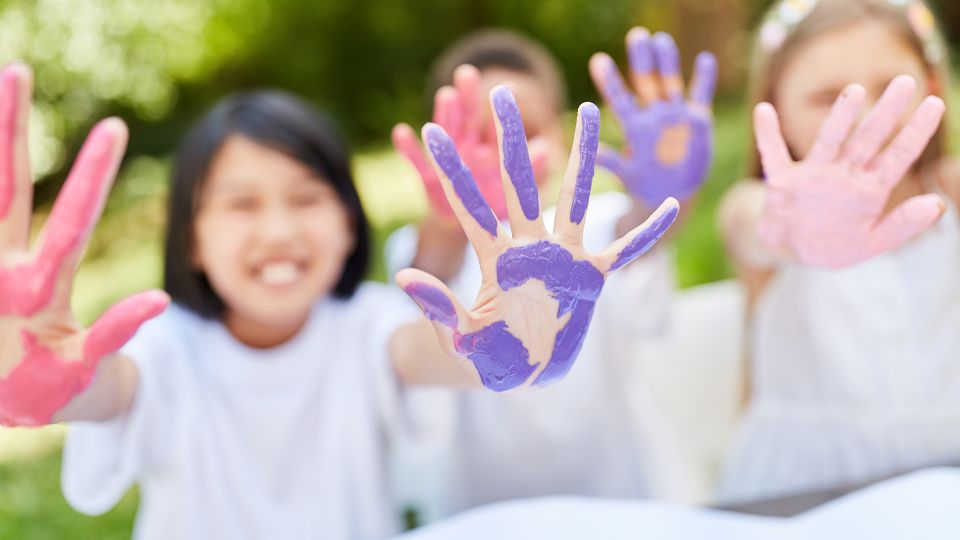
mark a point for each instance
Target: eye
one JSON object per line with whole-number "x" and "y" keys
{"x": 241, "y": 204}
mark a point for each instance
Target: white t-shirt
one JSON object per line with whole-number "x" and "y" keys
{"x": 593, "y": 433}
{"x": 856, "y": 372}
{"x": 231, "y": 442}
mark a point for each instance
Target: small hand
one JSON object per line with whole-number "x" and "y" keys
{"x": 459, "y": 110}
{"x": 539, "y": 288}
{"x": 669, "y": 140}
{"x": 45, "y": 357}
{"x": 827, "y": 210}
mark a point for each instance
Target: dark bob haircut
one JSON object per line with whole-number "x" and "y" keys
{"x": 276, "y": 120}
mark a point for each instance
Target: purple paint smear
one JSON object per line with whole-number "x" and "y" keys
{"x": 640, "y": 55}
{"x": 667, "y": 55}
{"x": 445, "y": 154}
{"x": 705, "y": 83}
{"x": 435, "y": 305}
{"x": 589, "y": 141}
{"x": 574, "y": 284}
{"x": 641, "y": 172}
{"x": 646, "y": 239}
{"x": 516, "y": 156}
{"x": 499, "y": 357}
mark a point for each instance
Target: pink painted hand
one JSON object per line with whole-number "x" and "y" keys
{"x": 460, "y": 111}
{"x": 828, "y": 210}
{"x": 46, "y": 358}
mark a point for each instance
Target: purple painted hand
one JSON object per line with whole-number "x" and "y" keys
{"x": 539, "y": 288}
{"x": 669, "y": 140}
{"x": 828, "y": 210}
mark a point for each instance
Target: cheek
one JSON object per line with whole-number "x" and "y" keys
{"x": 801, "y": 128}
{"x": 219, "y": 245}
{"x": 330, "y": 235}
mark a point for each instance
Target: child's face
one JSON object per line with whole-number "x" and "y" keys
{"x": 869, "y": 53}
{"x": 271, "y": 237}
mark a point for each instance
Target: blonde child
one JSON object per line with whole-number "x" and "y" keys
{"x": 853, "y": 276}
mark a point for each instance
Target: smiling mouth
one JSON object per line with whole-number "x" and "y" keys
{"x": 279, "y": 274}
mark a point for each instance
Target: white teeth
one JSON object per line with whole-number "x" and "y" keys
{"x": 279, "y": 273}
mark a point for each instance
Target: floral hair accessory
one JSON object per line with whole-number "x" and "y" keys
{"x": 785, "y": 17}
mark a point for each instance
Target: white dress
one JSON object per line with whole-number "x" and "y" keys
{"x": 229, "y": 442}
{"x": 593, "y": 433}
{"x": 856, "y": 372}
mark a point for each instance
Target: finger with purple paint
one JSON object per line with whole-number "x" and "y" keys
{"x": 575, "y": 192}
{"x": 641, "y": 61}
{"x": 45, "y": 358}
{"x": 469, "y": 206}
{"x": 519, "y": 185}
{"x": 828, "y": 209}
{"x": 669, "y": 140}
{"x": 539, "y": 289}
{"x": 667, "y": 57}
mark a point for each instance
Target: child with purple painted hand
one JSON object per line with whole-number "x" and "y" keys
{"x": 481, "y": 449}
{"x": 849, "y": 248}
{"x": 669, "y": 138}
{"x": 241, "y": 410}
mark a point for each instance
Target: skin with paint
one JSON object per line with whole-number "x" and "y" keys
{"x": 461, "y": 111}
{"x": 829, "y": 209}
{"x": 539, "y": 288}
{"x": 46, "y": 357}
{"x": 669, "y": 139}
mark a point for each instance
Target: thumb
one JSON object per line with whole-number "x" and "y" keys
{"x": 119, "y": 324}
{"x": 435, "y": 299}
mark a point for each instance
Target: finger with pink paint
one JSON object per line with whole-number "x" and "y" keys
{"x": 669, "y": 140}
{"x": 539, "y": 288}
{"x": 48, "y": 360}
{"x": 828, "y": 210}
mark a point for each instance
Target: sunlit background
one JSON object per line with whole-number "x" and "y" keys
{"x": 159, "y": 65}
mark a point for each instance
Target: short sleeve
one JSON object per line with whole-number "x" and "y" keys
{"x": 102, "y": 460}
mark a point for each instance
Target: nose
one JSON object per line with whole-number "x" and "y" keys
{"x": 277, "y": 224}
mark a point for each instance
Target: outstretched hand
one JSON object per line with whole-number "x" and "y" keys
{"x": 669, "y": 139}
{"x": 46, "y": 358}
{"x": 828, "y": 209}
{"x": 460, "y": 111}
{"x": 539, "y": 288}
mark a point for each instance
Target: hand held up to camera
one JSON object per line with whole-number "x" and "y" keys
{"x": 669, "y": 142}
{"x": 539, "y": 288}
{"x": 46, "y": 358}
{"x": 828, "y": 209}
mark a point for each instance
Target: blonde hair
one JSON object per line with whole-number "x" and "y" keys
{"x": 768, "y": 63}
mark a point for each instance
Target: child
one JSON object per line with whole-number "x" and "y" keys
{"x": 597, "y": 434}
{"x": 853, "y": 282}
{"x": 261, "y": 404}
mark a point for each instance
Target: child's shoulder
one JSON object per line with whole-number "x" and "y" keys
{"x": 947, "y": 172}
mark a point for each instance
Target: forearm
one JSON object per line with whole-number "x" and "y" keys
{"x": 739, "y": 219}
{"x": 109, "y": 395}
{"x": 419, "y": 359}
{"x": 440, "y": 248}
